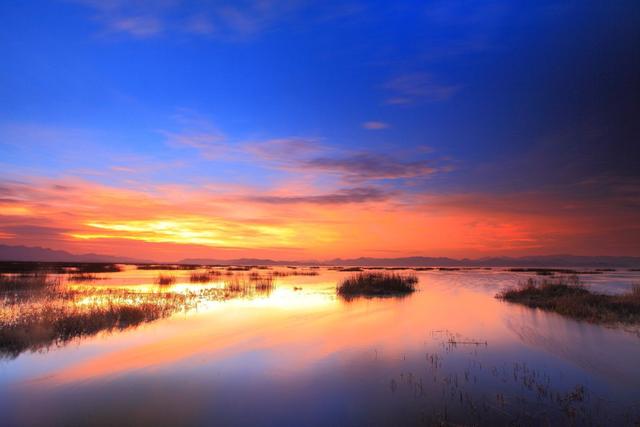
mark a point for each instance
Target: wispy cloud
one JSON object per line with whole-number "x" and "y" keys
{"x": 375, "y": 125}
{"x": 208, "y": 143}
{"x": 224, "y": 20}
{"x": 344, "y": 196}
{"x": 416, "y": 87}
{"x": 200, "y": 24}
{"x": 310, "y": 156}
{"x": 138, "y": 19}
{"x": 284, "y": 149}
{"x": 368, "y": 166}
{"x": 137, "y": 26}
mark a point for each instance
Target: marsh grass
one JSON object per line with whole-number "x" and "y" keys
{"x": 205, "y": 276}
{"x": 553, "y": 271}
{"x": 165, "y": 279}
{"x": 567, "y": 296}
{"x": 236, "y": 283}
{"x": 286, "y": 273}
{"x": 20, "y": 267}
{"x": 252, "y": 283}
{"x": 38, "y": 311}
{"x": 28, "y": 282}
{"x": 377, "y": 284}
{"x": 264, "y": 284}
{"x": 83, "y": 277}
{"x": 54, "y": 317}
{"x": 239, "y": 268}
{"x": 167, "y": 267}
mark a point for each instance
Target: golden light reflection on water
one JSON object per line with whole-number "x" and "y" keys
{"x": 285, "y": 295}
{"x": 311, "y": 320}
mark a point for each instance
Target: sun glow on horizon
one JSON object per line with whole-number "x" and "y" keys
{"x": 198, "y": 231}
{"x": 82, "y": 216}
{"x": 205, "y": 231}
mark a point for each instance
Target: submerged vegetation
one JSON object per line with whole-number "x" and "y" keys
{"x": 377, "y": 284}
{"x": 567, "y": 296}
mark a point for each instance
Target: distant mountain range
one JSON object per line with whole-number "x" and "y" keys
{"x": 528, "y": 261}
{"x": 25, "y": 253}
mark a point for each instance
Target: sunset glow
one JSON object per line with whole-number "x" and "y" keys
{"x": 276, "y": 159}
{"x": 319, "y": 213}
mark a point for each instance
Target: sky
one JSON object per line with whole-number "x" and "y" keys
{"x": 290, "y": 129}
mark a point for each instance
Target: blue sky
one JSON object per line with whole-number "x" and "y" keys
{"x": 445, "y": 98}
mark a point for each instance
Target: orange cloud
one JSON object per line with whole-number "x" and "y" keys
{"x": 169, "y": 222}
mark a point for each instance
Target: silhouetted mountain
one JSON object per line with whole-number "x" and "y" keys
{"x": 25, "y": 253}
{"x": 527, "y": 261}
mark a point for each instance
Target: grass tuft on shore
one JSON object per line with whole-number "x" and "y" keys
{"x": 567, "y": 296}
{"x": 377, "y": 284}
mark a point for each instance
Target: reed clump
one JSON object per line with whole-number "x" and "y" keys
{"x": 204, "y": 276}
{"x": 252, "y": 283}
{"x": 239, "y": 268}
{"x": 83, "y": 277}
{"x": 56, "y": 317}
{"x": 236, "y": 284}
{"x": 28, "y": 281}
{"x": 568, "y": 296}
{"x": 286, "y": 273}
{"x": 264, "y": 283}
{"x": 377, "y": 284}
{"x": 165, "y": 279}
{"x": 39, "y": 311}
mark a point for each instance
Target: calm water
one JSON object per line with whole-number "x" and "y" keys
{"x": 449, "y": 353}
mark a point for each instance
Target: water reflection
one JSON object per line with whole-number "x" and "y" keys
{"x": 40, "y": 310}
{"x": 449, "y": 353}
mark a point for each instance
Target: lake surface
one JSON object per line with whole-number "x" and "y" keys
{"x": 299, "y": 355}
